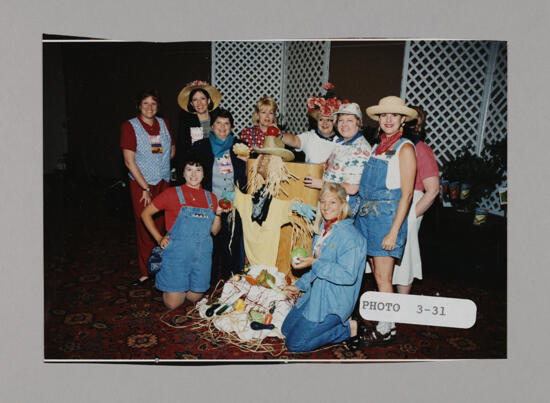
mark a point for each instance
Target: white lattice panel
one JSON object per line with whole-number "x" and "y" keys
{"x": 497, "y": 110}
{"x": 496, "y": 127}
{"x": 306, "y": 71}
{"x": 462, "y": 86}
{"x": 289, "y": 72}
{"x": 447, "y": 79}
{"x": 244, "y": 72}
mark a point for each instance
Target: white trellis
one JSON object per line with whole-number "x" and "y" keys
{"x": 289, "y": 72}
{"x": 463, "y": 86}
{"x": 306, "y": 70}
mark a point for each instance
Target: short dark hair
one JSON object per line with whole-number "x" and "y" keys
{"x": 147, "y": 93}
{"x": 205, "y": 93}
{"x": 221, "y": 113}
{"x": 193, "y": 158}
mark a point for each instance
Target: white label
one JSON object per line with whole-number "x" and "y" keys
{"x": 196, "y": 134}
{"x": 418, "y": 309}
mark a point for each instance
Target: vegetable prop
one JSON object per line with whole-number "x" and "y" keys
{"x": 263, "y": 277}
{"x": 256, "y": 316}
{"x": 273, "y": 286}
{"x": 224, "y": 203}
{"x": 269, "y": 316}
{"x": 236, "y": 278}
{"x": 296, "y": 253}
{"x": 272, "y": 131}
{"x": 261, "y": 326}
{"x": 239, "y": 304}
{"x": 250, "y": 279}
{"x": 210, "y": 311}
{"x": 246, "y": 268}
{"x": 241, "y": 149}
{"x": 223, "y": 309}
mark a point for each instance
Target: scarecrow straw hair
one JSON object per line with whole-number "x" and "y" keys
{"x": 277, "y": 174}
{"x": 302, "y": 229}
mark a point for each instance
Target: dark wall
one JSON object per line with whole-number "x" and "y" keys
{"x": 55, "y": 112}
{"x": 101, "y": 82}
{"x": 83, "y": 113}
{"x": 364, "y": 72}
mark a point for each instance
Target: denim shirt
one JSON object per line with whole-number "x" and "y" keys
{"x": 333, "y": 284}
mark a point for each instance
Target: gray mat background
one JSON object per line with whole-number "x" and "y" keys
{"x": 25, "y": 378}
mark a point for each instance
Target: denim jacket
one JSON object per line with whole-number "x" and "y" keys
{"x": 332, "y": 285}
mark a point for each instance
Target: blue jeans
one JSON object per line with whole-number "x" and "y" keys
{"x": 303, "y": 335}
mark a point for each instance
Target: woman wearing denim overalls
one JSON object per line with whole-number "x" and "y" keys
{"x": 192, "y": 215}
{"x": 385, "y": 195}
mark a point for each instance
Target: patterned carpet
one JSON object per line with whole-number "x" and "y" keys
{"x": 91, "y": 311}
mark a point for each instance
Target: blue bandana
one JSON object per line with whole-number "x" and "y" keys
{"x": 219, "y": 147}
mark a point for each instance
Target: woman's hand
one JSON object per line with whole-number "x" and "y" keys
{"x": 220, "y": 211}
{"x": 145, "y": 198}
{"x": 304, "y": 262}
{"x": 313, "y": 183}
{"x": 163, "y": 243}
{"x": 291, "y": 290}
{"x": 243, "y": 157}
{"x": 388, "y": 243}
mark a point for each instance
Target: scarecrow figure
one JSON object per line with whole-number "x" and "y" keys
{"x": 263, "y": 212}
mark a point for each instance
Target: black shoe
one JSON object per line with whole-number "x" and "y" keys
{"x": 353, "y": 343}
{"x": 139, "y": 282}
{"x": 375, "y": 338}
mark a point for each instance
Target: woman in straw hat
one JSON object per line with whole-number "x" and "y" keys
{"x": 426, "y": 189}
{"x": 197, "y": 99}
{"x": 147, "y": 148}
{"x": 385, "y": 194}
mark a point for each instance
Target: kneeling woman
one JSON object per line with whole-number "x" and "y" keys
{"x": 192, "y": 214}
{"x": 323, "y": 314}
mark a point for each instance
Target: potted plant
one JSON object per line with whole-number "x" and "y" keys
{"x": 477, "y": 176}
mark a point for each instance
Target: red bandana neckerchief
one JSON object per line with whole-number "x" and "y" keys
{"x": 387, "y": 142}
{"x": 328, "y": 225}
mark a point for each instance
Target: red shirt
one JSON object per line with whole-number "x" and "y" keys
{"x": 426, "y": 164}
{"x": 256, "y": 140}
{"x": 128, "y": 136}
{"x": 170, "y": 202}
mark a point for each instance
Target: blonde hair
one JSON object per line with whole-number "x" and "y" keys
{"x": 341, "y": 194}
{"x": 264, "y": 102}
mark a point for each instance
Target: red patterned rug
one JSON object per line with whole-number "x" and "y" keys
{"x": 91, "y": 311}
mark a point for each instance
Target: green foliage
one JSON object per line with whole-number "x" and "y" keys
{"x": 483, "y": 172}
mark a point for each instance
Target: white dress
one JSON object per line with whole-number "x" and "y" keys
{"x": 410, "y": 266}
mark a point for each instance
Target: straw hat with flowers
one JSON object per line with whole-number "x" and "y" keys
{"x": 183, "y": 97}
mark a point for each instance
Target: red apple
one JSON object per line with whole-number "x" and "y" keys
{"x": 224, "y": 203}
{"x": 272, "y": 131}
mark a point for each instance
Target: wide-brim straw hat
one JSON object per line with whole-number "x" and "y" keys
{"x": 183, "y": 97}
{"x": 275, "y": 146}
{"x": 391, "y": 104}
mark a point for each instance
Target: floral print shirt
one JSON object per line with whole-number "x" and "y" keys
{"x": 345, "y": 163}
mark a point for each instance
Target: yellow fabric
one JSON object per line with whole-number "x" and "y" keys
{"x": 261, "y": 243}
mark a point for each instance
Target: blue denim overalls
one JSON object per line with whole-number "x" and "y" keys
{"x": 187, "y": 260}
{"x": 378, "y": 206}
